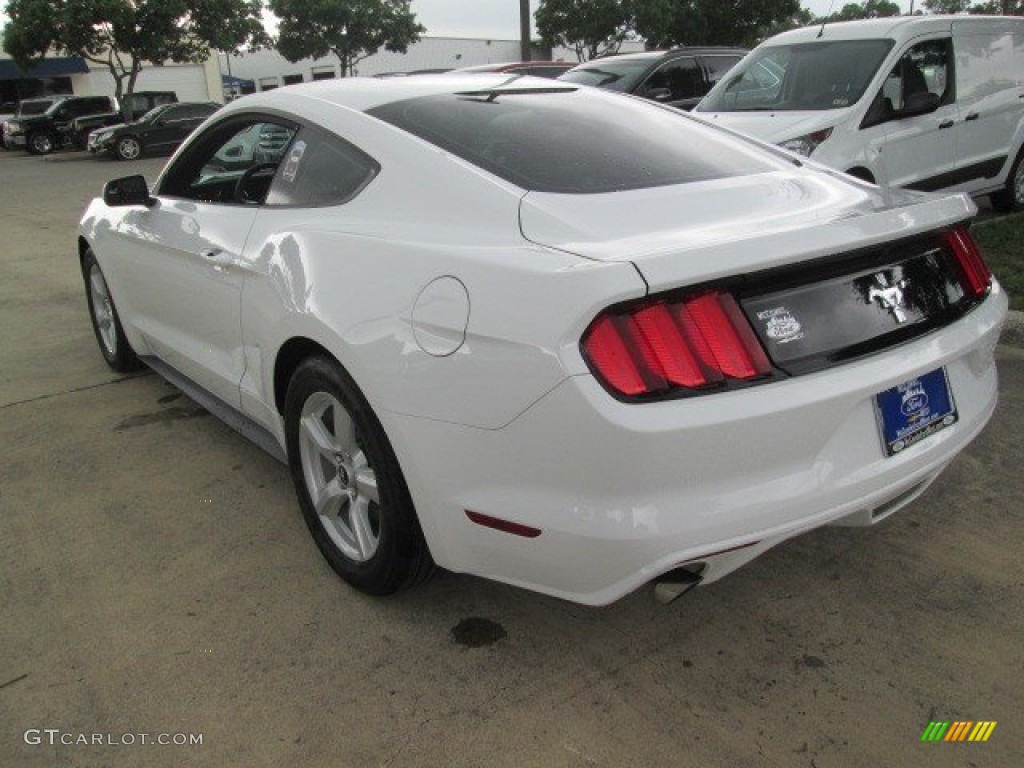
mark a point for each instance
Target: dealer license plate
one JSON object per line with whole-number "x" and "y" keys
{"x": 915, "y": 410}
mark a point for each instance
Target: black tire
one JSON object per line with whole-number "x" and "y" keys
{"x": 1010, "y": 198}
{"x": 128, "y": 148}
{"x": 400, "y": 558}
{"x": 106, "y": 323}
{"x": 40, "y": 143}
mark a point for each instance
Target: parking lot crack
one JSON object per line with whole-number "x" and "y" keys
{"x": 73, "y": 391}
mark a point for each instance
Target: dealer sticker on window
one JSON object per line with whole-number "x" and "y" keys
{"x": 915, "y": 410}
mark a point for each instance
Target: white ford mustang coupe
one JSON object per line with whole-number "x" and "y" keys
{"x": 544, "y": 334}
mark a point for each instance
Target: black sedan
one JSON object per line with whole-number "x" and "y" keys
{"x": 161, "y": 129}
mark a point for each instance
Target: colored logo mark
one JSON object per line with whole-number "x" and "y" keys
{"x": 959, "y": 730}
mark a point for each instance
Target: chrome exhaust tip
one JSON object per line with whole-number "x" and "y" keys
{"x": 676, "y": 583}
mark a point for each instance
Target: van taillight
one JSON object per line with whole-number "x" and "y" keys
{"x": 669, "y": 346}
{"x": 975, "y": 274}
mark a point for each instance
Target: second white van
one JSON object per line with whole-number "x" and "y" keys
{"x": 923, "y": 102}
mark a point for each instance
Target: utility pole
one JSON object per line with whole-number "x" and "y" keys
{"x": 524, "y": 30}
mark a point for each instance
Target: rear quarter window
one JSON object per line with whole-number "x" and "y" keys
{"x": 320, "y": 169}
{"x": 573, "y": 141}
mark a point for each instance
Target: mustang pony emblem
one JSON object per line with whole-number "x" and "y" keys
{"x": 889, "y": 296}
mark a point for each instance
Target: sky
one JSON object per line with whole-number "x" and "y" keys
{"x": 499, "y": 19}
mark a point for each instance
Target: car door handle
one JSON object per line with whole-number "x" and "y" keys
{"x": 972, "y": 116}
{"x": 945, "y": 124}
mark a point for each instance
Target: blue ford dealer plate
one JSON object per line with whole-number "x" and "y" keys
{"x": 915, "y": 410}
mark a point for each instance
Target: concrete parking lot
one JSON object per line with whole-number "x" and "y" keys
{"x": 157, "y": 579}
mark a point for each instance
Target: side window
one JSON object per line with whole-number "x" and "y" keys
{"x": 715, "y": 68}
{"x": 321, "y": 169}
{"x": 681, "y": 78}
{"x": 927, "y": 68}
{"x": 233, "y": 162}
{"x": 172, "y": 113}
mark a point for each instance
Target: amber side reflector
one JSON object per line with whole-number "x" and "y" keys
{"x": 507, "y": 526}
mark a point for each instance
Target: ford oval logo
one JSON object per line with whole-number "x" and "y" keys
{"x": 914, "y": 403}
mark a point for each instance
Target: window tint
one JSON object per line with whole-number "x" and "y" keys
{"x": 613, "y": 74}
{"x": 574, "y": 141}
{"x": 321, "y": 169}
{"x": 232, "y": 162}
{"x": 806, "y": 76}
{"x": 716, "y": 66}
{"x": 174, "y": 113}
{"x": 681, "y": 78}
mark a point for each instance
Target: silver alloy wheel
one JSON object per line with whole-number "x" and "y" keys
{"x": 42, "y": 143}
{"x": 103, "y": 310}
{"x": 341, "y": 483}
{"x": 129, "y": 148}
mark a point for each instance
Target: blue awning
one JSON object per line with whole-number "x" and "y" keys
{"x": 230, "y": 81}
{"x": 54, "y": 67}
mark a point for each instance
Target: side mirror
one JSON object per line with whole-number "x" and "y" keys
{"x": 920, "y": 104}
{"x": 130, "y": 190}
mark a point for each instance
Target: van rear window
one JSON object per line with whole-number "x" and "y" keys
{"x": 574, "y": 141}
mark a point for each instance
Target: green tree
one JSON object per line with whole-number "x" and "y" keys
{"x": 350, "y": 29}
{"x": 1000, "y": 8}
{"x": 947, "y": 6}
{"x": 591, "y": 28}
{"x": 867, "y": 10}
{"x": 711, "y": 22}
{"x": 124, "y": 34}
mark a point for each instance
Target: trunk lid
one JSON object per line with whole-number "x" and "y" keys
{"x": 694, "y": 233}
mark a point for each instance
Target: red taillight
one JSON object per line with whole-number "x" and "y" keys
{"x": 974, "y": 271}
{"x": 655, "y": 347}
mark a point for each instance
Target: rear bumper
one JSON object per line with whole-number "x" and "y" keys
{"x": 623, "y": 493}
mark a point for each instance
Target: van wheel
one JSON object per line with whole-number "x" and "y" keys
{"x": 40, "y": 144}
{"x": 1011, "y": 197}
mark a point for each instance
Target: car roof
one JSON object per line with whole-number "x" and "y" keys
{"x": 866, "y": 29}
{"x": 658, "y": 55}
{"x": 508, "y": 65}
{"x": 365, "y": 93}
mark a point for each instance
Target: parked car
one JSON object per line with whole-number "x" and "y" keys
{"x": 679, "y": 77}
{"x": 140, "y": 103}
{"x": 26, "y": 108}
{"x": 51, "y": 130}
{"x": 548, "y": 69}
{"x": 159, "y": 130}
{"x": 923, "y": 102}
{"x": 607, "y": 343}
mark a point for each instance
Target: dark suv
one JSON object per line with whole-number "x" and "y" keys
{"x": 160, "y": 129}
{"x": 42, "y": 134}
{"x": 679, "y": 77}
{"x": 26, "y": 108}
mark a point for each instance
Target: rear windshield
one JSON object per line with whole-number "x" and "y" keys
{"x": 34, "y": 107}
{"x": 574, "y": 141}
{"x": 613, "y": 74}
{"x": 804, "y": 77}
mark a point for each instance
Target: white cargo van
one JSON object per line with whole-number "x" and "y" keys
{"x": 924, "y": 102}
